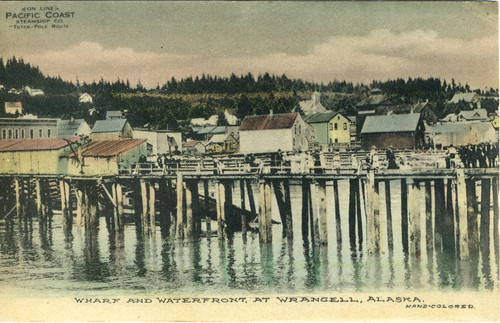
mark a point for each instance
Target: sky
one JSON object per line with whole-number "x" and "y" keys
{"x": 315, "y": 41}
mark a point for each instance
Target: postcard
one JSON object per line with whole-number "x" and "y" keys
{"x": 249, "y": 161}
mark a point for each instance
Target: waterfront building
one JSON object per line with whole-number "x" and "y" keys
{"x": 33, "y": 92}
{"x": 72, "y": 128}
{"x": 273, "y": 132}
{"x": 113, "y": 129}
{"x": 105, "y": 157}
{"x": 313, "y": 105}
{"x": 193, "y": 147}
{"x": 222, "y": 144}
{"x": 461, "y": 133}
{"x": 159, "y": 141}
{"x": 34, "y": 156}
{"x": 330, "y": 128}
{"x": 397, "y": 130}
{"x": 13, "y": 107}
{"x": 24, "y": 128}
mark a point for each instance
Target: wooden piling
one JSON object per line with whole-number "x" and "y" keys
{"x": 388, "y": 211}
{"x": 323, "y": 216}
{"x": 439, "y": 210}
{"x": 92, "y": 201}
{"x": 38, "y": 198}
{"x": 251, "y": 200}
{"x": 429, "y": 236}
{"x": 152, "y": 208}
{"x": 305, "y": 210}
{"x": 485, "y": 216}
{"x": 496, "y": 226}
{"x": 288, "y": 206}
{"x": 189, "y": 227}
{"x": 180, "y": 209}
{"x": 414, "y": 218}
{"x": 404, "y": 215}
{"x": 338, "y": 227}
{"x": 220, "y": 202}
{"x": 360, "y": 203}
{"x": 244, "y": 221}
{"x": 472, "y": 217}
{"x": 119, "y": 205}
{"x": 265, "y": 229}
{"x": 208, "y": 220}
{"x": 373, "y": 215}
{"x": 463, "y": 243}
{"x": 79, "y": 206}
{"x": 313, "y": 213}
{"x": 145, "y": 204}
{"x": 353, "y": 189}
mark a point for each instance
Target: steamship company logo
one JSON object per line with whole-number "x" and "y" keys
{"x": 40, "y": 17}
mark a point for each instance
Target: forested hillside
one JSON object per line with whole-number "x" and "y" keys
{"x": 174, "y": 102}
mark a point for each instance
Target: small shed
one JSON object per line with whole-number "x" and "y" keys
{"x": 105, "y": 157}
{"x": 113, "y": 129}
{"x": 114, "y": 114}
{"x": 222, "y": 143}
{"x": 35, "y": 156}
{"x": 72, "y": 128}
{"x": 161, "y": 141}
{"x": 13, "y": 107}
{"x": 194, "y": 147}
{"x": 398, "y": 130}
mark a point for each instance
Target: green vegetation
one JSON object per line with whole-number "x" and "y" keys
{"x": 170, "y": 105}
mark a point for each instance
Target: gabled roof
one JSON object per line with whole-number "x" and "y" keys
{"x": 68, "y": 128}
{"x": 219, "y": 138}
{"x": 467, "y": 97}
{"x": 34, "y": 144}
{"x": 375, "y": 99}
{"x": 391, "y": 123}
{"x": 269, "y": 122}
{"x": 320, "y": 117}
{"x": 114, "y": 125}
{"x": 476, "y": 114}
{"x": 212, "y": 130}
{"x": 114, "y": 114}
{"x": 191, "y": 143}
{"x": 108, "y": 148}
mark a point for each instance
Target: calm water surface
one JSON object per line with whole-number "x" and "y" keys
{"x": 42, "y": 261}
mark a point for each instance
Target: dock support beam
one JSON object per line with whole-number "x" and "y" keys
{"x": 338, "y": 226}
{"x": 323, "y": 216}
{"x": 265, "y": 216}
{"x": 414, "y": 218}
{"x": 373, "y": 214}
{"x": 220, "y": 203}
{"x": 208, "y": 220}
{"x": 404, "y": 215}
{"x": 472, "y": 217}
{"x": 180, "y": 207}
{"x": 463, "y": 243}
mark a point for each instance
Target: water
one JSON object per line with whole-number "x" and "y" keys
{"x": 38, "y": 261}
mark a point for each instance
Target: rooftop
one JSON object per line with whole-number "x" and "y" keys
{"x": 34, "y": 144}
{"x": 320, "y": 117}
{"x": 269, "y": 122}
{"x": 114, "y": 125}
{"x": 68, "y": 128}
{"x": 467, "y": 97}
{"x": 391, "y": 123}
{"x": 109, "y": 148}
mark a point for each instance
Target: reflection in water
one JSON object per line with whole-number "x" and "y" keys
{"x": 120, "y": 262}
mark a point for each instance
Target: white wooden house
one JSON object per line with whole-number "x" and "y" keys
{"x": 273, "y": 132}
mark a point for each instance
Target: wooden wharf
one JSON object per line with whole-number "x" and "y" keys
{"x": 447, "y": 209}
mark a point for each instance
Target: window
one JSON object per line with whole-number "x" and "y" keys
{"x": 4, "y": 134}
{"x": 32, "y": 133}
{"x": 336, "y": 126}
{"x": 331, "y": 126}
{"x": 345, "y": 125}
{"x": 16, "y": 134}
{"x": 299, "y": 129}
{"x": 10, "y": 133}
{"x": 23, "y": 133}
{"x": 336, "y": 140}
{"x": 49, "y": 132}
{"x": 40, "y": 133}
